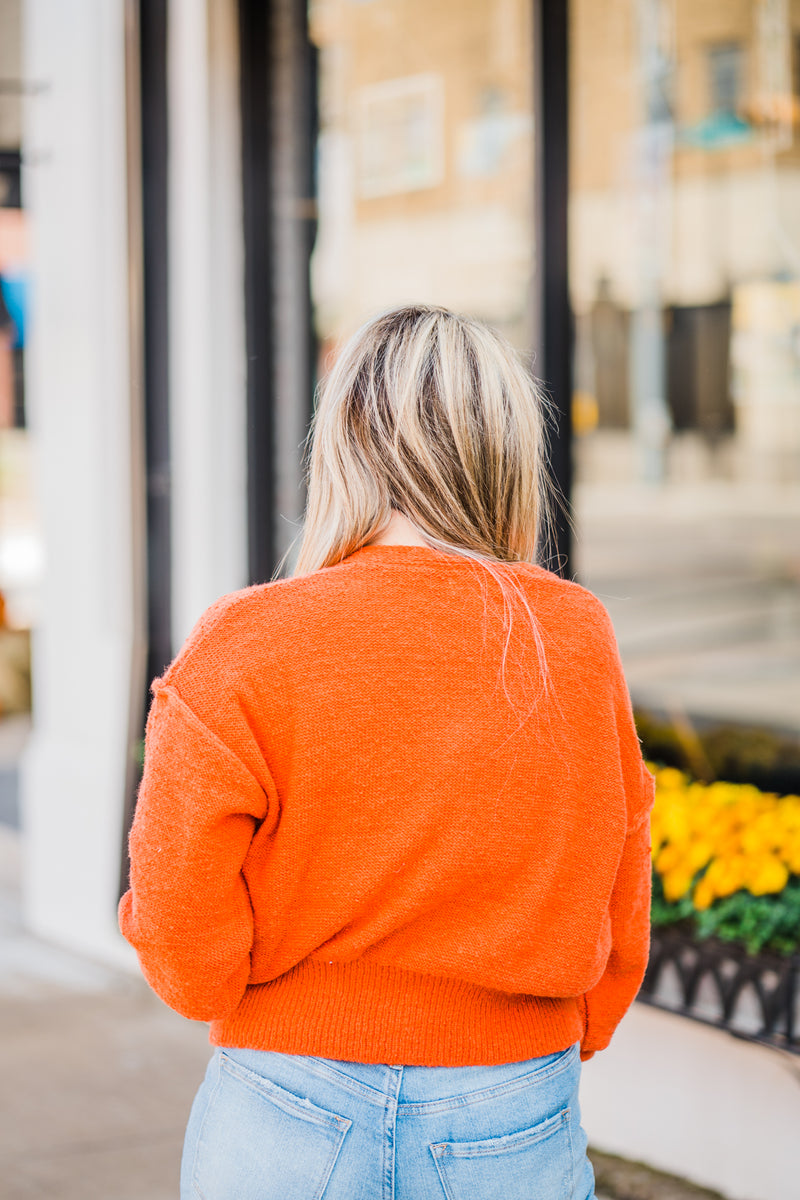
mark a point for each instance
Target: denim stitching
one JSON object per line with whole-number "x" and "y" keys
{"x": 211, "y": 1100}
{"x": 573, "y": 1178}
{"x": 562, "y": 1064}
{"x": 490, "y": 1147}
{"x": 313, "y": 1113}
{"x": 274, "y": 1092}
{"x": 436, "y": 1160}
{"x": 395, "y": 1082}
{"x": 323, "y": 1068}
{"x": 336, "y": 1151}
{"x": 364, "y": 1090}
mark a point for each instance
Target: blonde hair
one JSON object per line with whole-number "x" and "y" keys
{"x": 433, "y": 415}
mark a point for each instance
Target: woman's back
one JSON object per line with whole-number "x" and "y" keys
{"x": 391, "y": 839}
{"x": 435, "y": 823}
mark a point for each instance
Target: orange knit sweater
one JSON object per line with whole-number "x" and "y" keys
{"x": 356, "y": 837}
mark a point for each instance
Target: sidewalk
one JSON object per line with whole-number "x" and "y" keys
{"x": 99, "y": 1076}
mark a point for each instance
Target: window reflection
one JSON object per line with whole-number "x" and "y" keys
{"x": 684, "y": 277}
{"x": 425, "y": 160}
{"x": 685, "y": 281}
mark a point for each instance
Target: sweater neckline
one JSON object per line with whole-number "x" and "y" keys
{"x": 422, "y": 555}
{"x": 385, "y": 552}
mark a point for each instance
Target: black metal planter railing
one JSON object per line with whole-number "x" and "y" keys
{"x": 756, "y": 997}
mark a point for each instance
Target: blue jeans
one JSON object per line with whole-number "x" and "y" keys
{"x": 267, "y": 1126}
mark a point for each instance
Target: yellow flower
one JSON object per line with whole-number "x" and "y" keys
{"x": 670, "y": 777}
{"x": 743, "y": 837}
{"x": 789, "y": 808}
{"x": 676, "y": 824}
{"x": 702, "y": 818}
{"x": 668, "y": 859}
{"x": 728, "y": 874}
{"x": 764, "y": 834}
{"x": 699, "y": 853}
{"x": 791, "y": 855}
{"x": 676, "y": 883}
{"x": 767, "y": 874}
{"x": 728, "y": 845}
{"x": 703, "y": 893}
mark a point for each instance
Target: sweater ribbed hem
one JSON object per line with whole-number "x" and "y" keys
{"x": 365, "y": 1012}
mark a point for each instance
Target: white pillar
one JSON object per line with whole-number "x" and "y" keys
{"x": 79, "y": 370}
{"x": 208, "y": 404}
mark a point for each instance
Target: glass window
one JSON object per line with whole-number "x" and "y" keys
{"x": 20, "y": 542}
{"x": 685, "y": 282}
{"x": 425, "y": 160}
{"x": 684, "y": 218}
{"x": 726, "y": 70}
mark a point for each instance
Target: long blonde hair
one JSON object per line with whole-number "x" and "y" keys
{"x": 433, "y": 415}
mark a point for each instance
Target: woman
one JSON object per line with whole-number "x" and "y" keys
{"x": 392, "y": 838}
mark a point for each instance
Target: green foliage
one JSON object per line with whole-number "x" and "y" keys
{"x": 666, "y": 912}
{"x": 758, "y": 923}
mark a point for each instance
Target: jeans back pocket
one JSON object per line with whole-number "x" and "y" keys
{"x": 260, "y": 1142}
{"x": 535, "y": 1163}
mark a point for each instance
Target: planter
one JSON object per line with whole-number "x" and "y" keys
{"x": 753, "y": 996}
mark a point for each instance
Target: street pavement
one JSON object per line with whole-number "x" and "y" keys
{"x": 98, "y": 1075}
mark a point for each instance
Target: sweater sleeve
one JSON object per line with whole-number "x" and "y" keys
{"x": 629, "y": 907}
{"x": 611, "y": 997}
{"x": 188, "y": 912}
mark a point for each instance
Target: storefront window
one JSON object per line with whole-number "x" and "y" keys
{"x": 685, "y": 284}
{"x": 425, "y": 160}
{"x": 20, "y": 546}
{"x": 684, "y": 224}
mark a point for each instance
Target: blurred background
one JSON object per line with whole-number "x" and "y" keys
{"x": 198, "y": 200}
